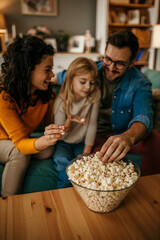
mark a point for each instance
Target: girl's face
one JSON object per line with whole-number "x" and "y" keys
{"x": 83, "y": 85}
{"x": 42, "y": 74}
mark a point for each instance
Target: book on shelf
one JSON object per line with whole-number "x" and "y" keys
{"x": 145, "y": 17}
{"x": 139, "y": 55}
{"x": 113, "y": 17}
{"x": 142, "y": 55}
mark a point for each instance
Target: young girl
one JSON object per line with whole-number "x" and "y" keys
{"x": 26, "y": 98}
{"x": 77, "y": 108}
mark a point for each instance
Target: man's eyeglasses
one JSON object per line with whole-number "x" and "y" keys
{"x": 118, "y": 64}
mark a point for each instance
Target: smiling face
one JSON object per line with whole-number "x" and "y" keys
{"x": 42, "y": 74}
{"x": 122, "y": 55}
{"x": 83, "y": 85}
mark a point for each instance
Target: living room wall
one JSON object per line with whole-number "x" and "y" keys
{"x": 74, "y": 17}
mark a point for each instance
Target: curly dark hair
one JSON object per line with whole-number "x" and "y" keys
{"x": 124, "y": 39}
{"x": 20, "y": 60}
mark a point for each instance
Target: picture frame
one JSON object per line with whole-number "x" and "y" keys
{"x": 39, "y": 7}
{"x": 76, "y": 44}
{"x": 134, "y": 16}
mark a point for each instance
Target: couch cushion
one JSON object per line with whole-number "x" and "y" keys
{"x": 154, "y": 77}
{"x": 40, "y": 176}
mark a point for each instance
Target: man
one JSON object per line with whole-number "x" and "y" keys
{"x": 125, "y": 114}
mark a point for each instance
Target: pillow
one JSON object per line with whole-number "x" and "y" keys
{"x": 153, "y": 76}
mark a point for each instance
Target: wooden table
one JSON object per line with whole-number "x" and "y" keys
{"x": 61, "y": 214}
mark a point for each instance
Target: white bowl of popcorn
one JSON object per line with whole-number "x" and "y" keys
{"x": 102, "y": 186}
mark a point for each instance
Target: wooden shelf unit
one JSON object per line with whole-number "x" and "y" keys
{"x": 142, "y": 26}
{"x": 130, "y": 25}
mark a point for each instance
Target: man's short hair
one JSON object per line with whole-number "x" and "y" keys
{"x": 124, "y": 39}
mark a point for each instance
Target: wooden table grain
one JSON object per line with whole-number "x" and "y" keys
{"x": 61, "y": 214}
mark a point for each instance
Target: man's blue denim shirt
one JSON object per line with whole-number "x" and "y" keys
{"x": 131, "y": 100}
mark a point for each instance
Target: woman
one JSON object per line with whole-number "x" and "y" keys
{"x": 26, "y": 99}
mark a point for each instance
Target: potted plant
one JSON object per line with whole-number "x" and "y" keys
{"x": 62, "y": 41}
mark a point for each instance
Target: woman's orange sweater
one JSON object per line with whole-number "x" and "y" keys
{"x": 19, "y": 127}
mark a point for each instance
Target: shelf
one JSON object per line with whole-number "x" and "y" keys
{"x": 144, "y": 46}
{"x": 130, "y": 25}
{"x": 141, "y": 63}
{"x": 131, "y": 5}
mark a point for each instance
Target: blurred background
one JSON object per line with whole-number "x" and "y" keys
{"x": 64, "y": 22}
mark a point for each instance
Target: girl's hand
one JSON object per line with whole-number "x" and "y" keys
{"x": 73, "y": 118}
{"x": 78, "y": 119}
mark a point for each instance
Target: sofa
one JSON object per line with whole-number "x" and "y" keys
{"x": 41, "y": 174}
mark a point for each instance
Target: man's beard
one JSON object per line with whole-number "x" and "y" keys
{"x": 114, "y": 71}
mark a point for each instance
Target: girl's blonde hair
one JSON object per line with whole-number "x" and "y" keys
{"x": 79, "y": 66}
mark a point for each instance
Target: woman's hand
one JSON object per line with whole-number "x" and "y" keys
{"x": 52, "y": 134}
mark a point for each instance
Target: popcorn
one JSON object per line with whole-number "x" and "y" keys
{"x": 102, "y": 185}
{"x": 62, "y": 129}
{"x": 82, "y": 120}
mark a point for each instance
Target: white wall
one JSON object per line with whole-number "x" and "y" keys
{"x": 154, "y": 18}
{"x": 74, "y": 17}
{"x": 102, "y": 10}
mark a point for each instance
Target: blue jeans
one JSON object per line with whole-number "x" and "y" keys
{"x": 64, "y": 153}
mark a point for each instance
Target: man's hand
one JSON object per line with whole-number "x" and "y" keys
{"x": 116, "y": 147}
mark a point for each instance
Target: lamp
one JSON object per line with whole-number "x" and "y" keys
{"x": 156, "y": 40}
{"x": 156, "y": 36}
